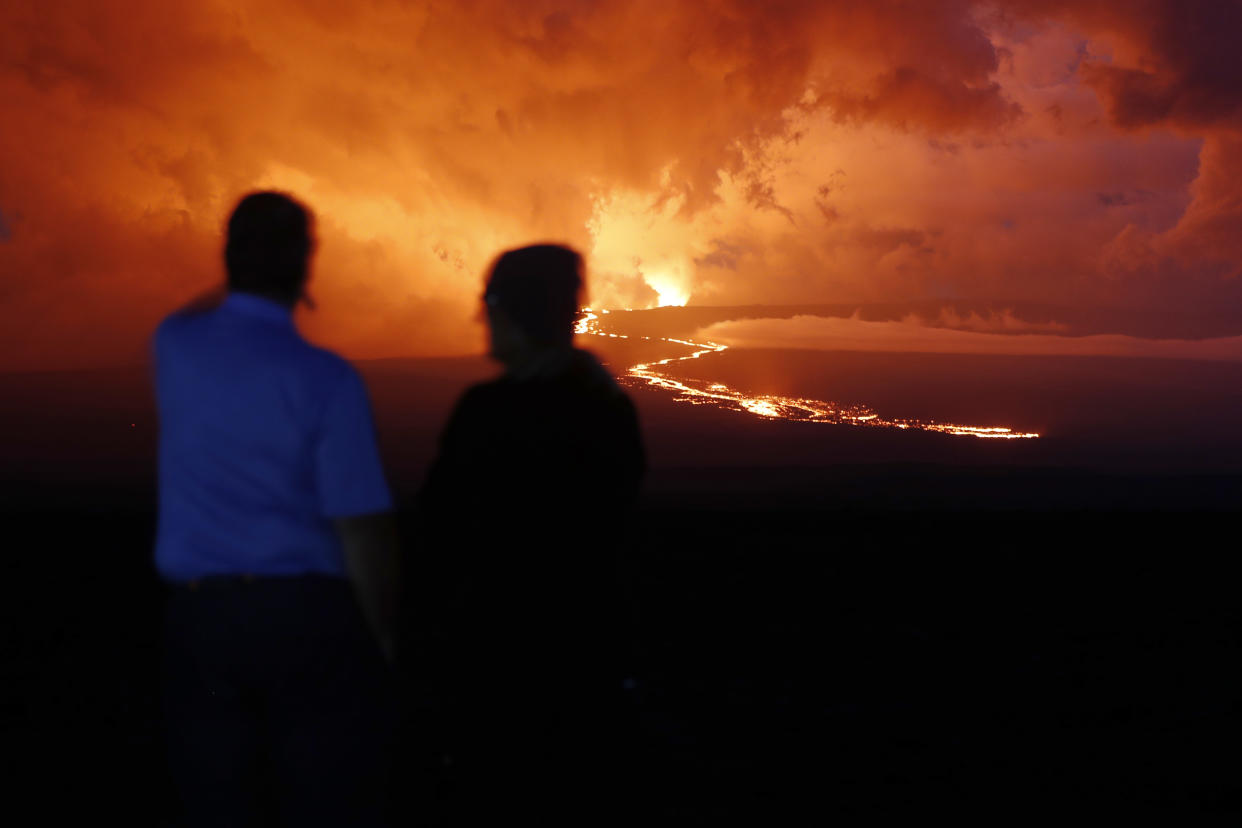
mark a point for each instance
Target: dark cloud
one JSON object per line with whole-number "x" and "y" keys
{"x": 910, "y": 98}
{"x": 1156, "y": 62}
{"x": 1210, "y": 231}
{"x": 1124, "y": 199}
{"x": 723, "y": 255}
{"x": 888, "y": 239}
{"x": 951, "y": 147}
{"x": 1169, "y": 65}
{"x": 689, "y": 135}
{"x": 1190, "y": 71}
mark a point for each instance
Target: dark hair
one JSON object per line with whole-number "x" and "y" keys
{"x": 539, "y": 287}
{"x": 268, "y": 246}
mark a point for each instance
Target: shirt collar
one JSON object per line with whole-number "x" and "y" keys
{"x": 252, "y": 305}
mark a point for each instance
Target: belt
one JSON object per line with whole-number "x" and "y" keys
{"x": 217, "y": 581}
{"x": 248, "y": 578}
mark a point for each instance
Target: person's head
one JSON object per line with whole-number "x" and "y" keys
{"x": 269, "y": 246}
{"x": 532, "y": 298}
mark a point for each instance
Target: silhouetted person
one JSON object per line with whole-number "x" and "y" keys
{"x": 529, "y": 493}
{"x": 274, "y": 539}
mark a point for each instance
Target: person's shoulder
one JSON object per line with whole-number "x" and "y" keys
{"x": 325, "y": 360}
{"x": 168, "y": 328}
{"x": 590, "y": 378}
{"x": 477, "y": 409}
{"x": 491, "y": 387}
{"x": 198, "y": 310}
{"x": 486, "y": 394}
{"x": 333, "y": 383}
{"x": 620, "y": 409}
{"x": 487, "y": 400}
{"x": 330, "y": 369}
{"x": 180, "y": 324}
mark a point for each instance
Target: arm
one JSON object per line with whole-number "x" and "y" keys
{"x": 373, "y": 566}
{"x": 353, "y": 492}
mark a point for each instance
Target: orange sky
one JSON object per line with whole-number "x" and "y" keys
{"x": 1077, "y": 153}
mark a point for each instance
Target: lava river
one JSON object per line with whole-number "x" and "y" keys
{"x": 698, "y": 392}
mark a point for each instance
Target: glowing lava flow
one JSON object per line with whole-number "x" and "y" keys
{"x": 773, "y": 407}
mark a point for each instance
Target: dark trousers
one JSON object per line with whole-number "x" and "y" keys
{"x": 547, "y": 754}
{"x": 278, "y": 704}
{"x": 535, "y": 709}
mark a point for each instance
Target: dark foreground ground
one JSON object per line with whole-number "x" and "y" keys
{"x": 861, "y": 641}
{"x": 853, "y": 663}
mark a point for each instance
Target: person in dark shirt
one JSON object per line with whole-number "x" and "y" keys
{"x": 527, "y": 498}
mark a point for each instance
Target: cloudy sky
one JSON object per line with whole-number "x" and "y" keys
{"x": 1085, "y": 153}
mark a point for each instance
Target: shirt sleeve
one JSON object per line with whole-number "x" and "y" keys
{"x": 349, "y": 476}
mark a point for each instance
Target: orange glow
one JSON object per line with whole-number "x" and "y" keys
{"x": 668, "y": 294}
{"x": 775, "y": 407}
{"x": 703, "y": 152}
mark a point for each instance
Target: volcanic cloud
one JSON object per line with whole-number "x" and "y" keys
{"x": 1084, "y": 153}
